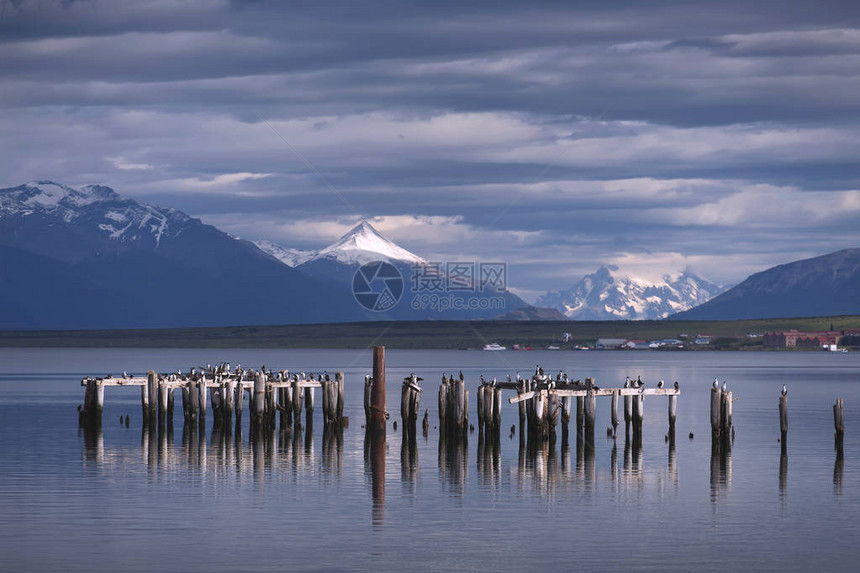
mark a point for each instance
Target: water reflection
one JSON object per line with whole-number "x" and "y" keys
{"x": 721, "y": 470}
{"x": 489, "y": 460}
{"x": 409, "y": 458}
{"x": 838, "y": 467}
{"x": 453, "y": 462}
{"x": 267, "y": 452}
{"x": 374, "y": 460}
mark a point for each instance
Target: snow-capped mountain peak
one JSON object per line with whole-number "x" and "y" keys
{"x": 363, "y": 244}
{"x": 608, "y": 294}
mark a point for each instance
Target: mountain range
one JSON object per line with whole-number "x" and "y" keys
{"x": 88, "y": 258}
{"x": 828, "y": 285}
{"x": 608, "y": 295}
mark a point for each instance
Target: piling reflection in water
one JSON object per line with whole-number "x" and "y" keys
{"x": 374, "y": 461}
{"x": 454, "y": 462}
{"x": 409, "y": 458}
{"x": 264, "y": 454}
{"x": 721, "y": 471}
{"x": 489, "y": 460}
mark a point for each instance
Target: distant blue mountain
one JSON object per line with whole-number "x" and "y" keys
{"x": 89, "y": 258}
{"x": 828, "y": 285}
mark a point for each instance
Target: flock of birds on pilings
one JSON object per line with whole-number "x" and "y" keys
{"x": 542, "y": 400}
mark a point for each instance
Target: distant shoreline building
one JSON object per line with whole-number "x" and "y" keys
{"x": 806, "y": 339}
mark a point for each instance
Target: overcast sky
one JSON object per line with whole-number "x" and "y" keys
{"x": 721, "y": 135}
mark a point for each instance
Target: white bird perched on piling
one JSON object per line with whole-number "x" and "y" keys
{"x": 660, "y": 384}
{"x": 784, "y": 390}
{"x": 724, "y": 385}
{"x": 716, "y": 383}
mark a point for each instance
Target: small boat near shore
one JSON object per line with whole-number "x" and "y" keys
{"x": 494, "y": 346}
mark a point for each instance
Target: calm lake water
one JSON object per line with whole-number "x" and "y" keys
{"x": 126, "y": 500}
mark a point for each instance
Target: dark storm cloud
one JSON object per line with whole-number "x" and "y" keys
{"x": 582, "y": 132}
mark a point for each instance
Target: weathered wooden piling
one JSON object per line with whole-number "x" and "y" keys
{"x": 227, "y": 402}
{"x": 170, "y": 400}
{"x": 580, "y": 414}
{"x": 638, "y": 415}
{"x": 454, "y": 407}
{"x": 368, "y": 394}
{"x": 522, "y": 389}
{"x": 716, "y": 414}
{"x": 628, "y": 414}
{"x": 673, "y": 410}
{"x": 497, "y": 408}
{"x": 410, "y": 401}
{"x": 238, "y": 403}
{"x": 202, "y": 395}
{"x": 341, "y": 392}
{"x": 614, "y": 412}
{"x": 162, "y": 401}
{"x": 480, "y": 407}
{"x": 590, "y": 408}
{"x": 377, "y": 394}
{"x": 309, "y": 406}
{"x": 152, "y": 394}
{"x": 193, "y": 400}
{"x": 144, "y": 403}
{"x": 90, "y": 414}
{"x": 258, "y": 402}
{"x": 838, "y": 425}
{"x": 298, "y": 402}
{"x": 783, "y": 419}
{"x": 566, "y": 408}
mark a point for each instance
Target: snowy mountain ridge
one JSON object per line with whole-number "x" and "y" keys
{"x": 120, "y": 218}
{"x": 609, "y": 295}
{"x": 290, "y": 257}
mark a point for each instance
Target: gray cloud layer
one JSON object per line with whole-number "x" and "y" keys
{"x": 717, "y": 134}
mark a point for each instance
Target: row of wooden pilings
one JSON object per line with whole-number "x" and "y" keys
{"x": 269, "y": 394}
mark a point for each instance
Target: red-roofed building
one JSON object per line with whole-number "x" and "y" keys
{"x": 801, "y": 339}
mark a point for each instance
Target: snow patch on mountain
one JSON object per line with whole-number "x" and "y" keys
{"x": 290, "y": 257}
{"x": 609, "y": 295}
{"x": 121, "y": 218}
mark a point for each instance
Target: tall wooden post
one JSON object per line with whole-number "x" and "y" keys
{"x": 238, "y": 402}
{"x": 673, "y": 410}
{"x": 259, "y": 402}
{"x": 377, "y": 401}
{"x": 580, "y": 413}
{"x": 628, "y": 414}
{"x": 590, "y": 410}
{"x": 783, "y": 421}
{"x": 839, "y": 425}
{"x": 144, "y": 402}
{"x": 716, "y": 414}
{"x": 100, "y": 401}
{"x": 202, "y": 395}
{"x": 614, "y": 413}
{"x": 338, "y": 377}
{"x": 162, "y": 401}
{"x": 152, "y": 391}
